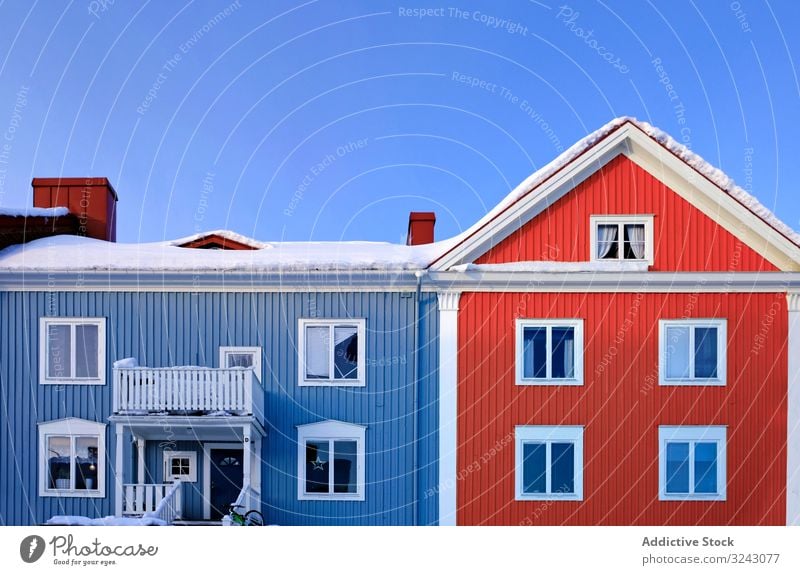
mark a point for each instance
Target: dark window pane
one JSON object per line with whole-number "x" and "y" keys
{"x": 633, "y": 244}
{"x": 705, "y": 467}
{"x": 534, "y": 352}
{"x": 345, "y": 461}
{"x": 86, "y": 351}
{"x": 562, "y": 457}
{"x": 534, "y": 472}
{"x": 59, "y": 352}
{"x": 677, "y": 467}
{"x": 563, "y": 352}
{"x": 58, "y": 456}
{"x": 345, "y": 356}
{"x": 317, "y": 467}
{"x": 705, "y": 352}
{"x": 239, "y": 359}
{"x": 86, "y": 463}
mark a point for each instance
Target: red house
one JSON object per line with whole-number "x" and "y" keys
{"x": 620, "y": 345}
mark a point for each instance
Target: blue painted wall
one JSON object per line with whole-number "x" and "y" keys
{"x": 166, "y": 329}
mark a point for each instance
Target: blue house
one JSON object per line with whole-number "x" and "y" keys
{"x": 173, "y": 379}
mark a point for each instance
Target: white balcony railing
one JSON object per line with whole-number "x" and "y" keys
{"x": 147, "y": 390}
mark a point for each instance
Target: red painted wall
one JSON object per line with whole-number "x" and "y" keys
{"x": 621, "y": 407}
{"x": 685, "y": 238}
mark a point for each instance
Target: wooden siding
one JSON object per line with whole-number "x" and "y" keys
{"x": 685, "y": 239}
{"x": 621, "y": 406}
{"x": 167, "y": 329}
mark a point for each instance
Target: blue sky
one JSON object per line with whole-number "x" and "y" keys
{"x": 332, "y": 120}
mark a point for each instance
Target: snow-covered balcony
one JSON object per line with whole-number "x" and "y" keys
{"x": 197, "y": 391}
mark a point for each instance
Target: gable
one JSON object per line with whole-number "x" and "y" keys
{"x": 685, "y": 238}
{"x": 687, "y": 175}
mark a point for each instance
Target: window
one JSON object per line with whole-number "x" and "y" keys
{"x": 549, "y": 352}
{"x": 692, "y": 352}
{"x": 72, "y": 458}
{"x": 72, "y": 350}
{"x": 330, "y": 461}
{"x": 180, "y": 465}
{"x": 622, "y": 238}
{"x": 241, "y": 357}
{"x": 691, "y": 462}
{"x": 549, "y": 462}
{"x": 331, "y": 352}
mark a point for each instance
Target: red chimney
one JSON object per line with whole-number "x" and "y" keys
{"x": 420, "y": 228}
{"x": 92, "y": 200}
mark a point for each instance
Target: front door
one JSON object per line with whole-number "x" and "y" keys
{"x": 226, "y": 479}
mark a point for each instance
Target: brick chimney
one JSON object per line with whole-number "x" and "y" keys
{"x": 92, "y": 200}
{"x": 420, "y": 228}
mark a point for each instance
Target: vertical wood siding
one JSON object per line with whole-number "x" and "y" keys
{"x": 167, "y": 329}
{"x": 621, "y": 406}
{"x": 685, "y": 239}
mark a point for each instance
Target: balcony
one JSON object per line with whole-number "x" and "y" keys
{"x": 187, "y": 391}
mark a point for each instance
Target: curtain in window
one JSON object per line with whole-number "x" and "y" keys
{"x": 636, "y": 237}
{"x": 606, "y": 238}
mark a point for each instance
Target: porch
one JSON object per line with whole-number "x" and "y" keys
{"x": 196, "y": 435}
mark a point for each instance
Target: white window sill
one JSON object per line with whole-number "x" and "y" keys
{"x": 549, "y": 497}
{"x": 566, "y": 382}
{"x": 336, "y": 497}
{"x": 93, "y": 494}
{"x": 331, "y": 383}
{"x": 692, "y": 382}
{"x": 72, "y": 382}
{"x": 691, "y": 497}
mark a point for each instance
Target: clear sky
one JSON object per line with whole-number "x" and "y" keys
{"x": 332, "y": 120}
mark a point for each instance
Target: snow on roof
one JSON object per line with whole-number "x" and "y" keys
{"x": 71, "y": 253}
{"x": 226, "y": 234}
{"x": 30, "y": 212}
{"x": 715, "y": 175}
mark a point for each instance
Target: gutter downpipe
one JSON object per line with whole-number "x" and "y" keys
{"x": 417, "y": 328}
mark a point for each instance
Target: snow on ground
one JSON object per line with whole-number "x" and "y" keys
{"x": 33, "y": 212}
{"x": 70, "y": 520}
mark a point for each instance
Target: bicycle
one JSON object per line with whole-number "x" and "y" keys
{"x": 251, "y": 518}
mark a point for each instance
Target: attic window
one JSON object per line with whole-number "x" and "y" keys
{"x": 622, "y": 238}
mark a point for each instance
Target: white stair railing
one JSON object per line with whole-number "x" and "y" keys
{"x": 169, "y": 509}
{"x": 249, "y": 498}
{"x": 140, "y": 498}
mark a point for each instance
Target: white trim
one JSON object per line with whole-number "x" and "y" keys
{"x": 683, "y": 179}
{"x": 100, "y": 322}
{"x": 722, "y": 351}
{"x": 448, "y": 404}
{"x": 549, "y": 324}
{"x": 692, "y": 434}
{"x": 255, "y": 351}
{"x": 119, "y": 432}
{"x": 621, "y": 220}
{"x": 331, "y": 323}
{"x": 207, "y": 449}
{"x": 548, "y": 434}
{"x": 73, "y": 428}
{"x": 793, "y": 411}
{"x": 331, "y": 431}
{"x": 168, "y": 456}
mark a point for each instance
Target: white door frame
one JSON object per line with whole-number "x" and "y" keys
{"x": 207, "y": 448}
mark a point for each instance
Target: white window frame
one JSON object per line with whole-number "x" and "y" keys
{"x": 722, "y": 351}
{"x": 331, "y": 431}
{"x": 73, "y": 428}
{"x": 548, "y": 434}
{"x": 361, "y": 326}
{"x": 692, "y": 434}
{"x": 621, "y": 220}
{"x": 577, "y": 324}
{"x": 254, "y": 351}
{"x": 170, "y": 455}
{"x": 100, "y": 322}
